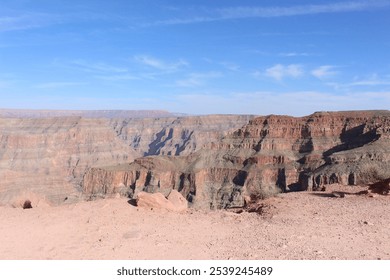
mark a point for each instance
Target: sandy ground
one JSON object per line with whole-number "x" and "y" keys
{"x": 293, "y": 226}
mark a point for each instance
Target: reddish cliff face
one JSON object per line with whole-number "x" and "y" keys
{"x": 268, "y": 155}
{"x": 44, "y": 159}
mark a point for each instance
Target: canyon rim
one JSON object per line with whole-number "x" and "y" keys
{"x": 257, "y": 174}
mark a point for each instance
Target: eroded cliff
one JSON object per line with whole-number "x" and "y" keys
{"x": 270, "y": 154}
{"x": 44, "y": 159}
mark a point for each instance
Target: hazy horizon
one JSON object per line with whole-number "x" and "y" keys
{"x": 206, "y": 57}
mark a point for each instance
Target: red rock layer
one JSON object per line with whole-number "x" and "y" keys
{"x": 268, "y": 155}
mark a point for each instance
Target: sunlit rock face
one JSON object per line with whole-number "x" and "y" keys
{"x": 45, "y": 154}
{"x": 268, "y": 155}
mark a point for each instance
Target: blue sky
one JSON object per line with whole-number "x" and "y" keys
{"x": 196, "y": 57}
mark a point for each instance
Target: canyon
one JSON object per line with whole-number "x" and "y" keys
{"x": 214, "y": 162}
{"x": 269, "y": 155}
{"x": 45, "y": 154}
{"x": 141, "y": 186}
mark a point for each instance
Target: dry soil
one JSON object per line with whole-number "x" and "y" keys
{"x": 304, "y": 225}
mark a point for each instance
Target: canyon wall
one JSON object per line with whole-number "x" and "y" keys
{"x": 270, "y": 154}
{"x": 44, "y": 158}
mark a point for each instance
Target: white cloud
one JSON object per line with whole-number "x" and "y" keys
{"x": 197, "y": 79}
{"x": 52, "y": 85}
{"x": 279, "y": 71}
{"x": 324, "y": 71}
{"x": 230, "y": 66}
{"x": 373, "y": 80}
{"x": 277, "y": 11}
{"x": 293, "y": 54}
{"x": 26, "y": 20}
{"x": 349, "y": 6}
{"x": 160, "y": 64}
{"x": 98, "y": 67}
{"x": 124, "y": 77}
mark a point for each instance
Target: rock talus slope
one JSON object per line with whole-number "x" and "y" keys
{"x": 270, "y": 154}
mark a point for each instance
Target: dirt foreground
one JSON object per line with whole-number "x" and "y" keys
{"x": 318, "y": 225}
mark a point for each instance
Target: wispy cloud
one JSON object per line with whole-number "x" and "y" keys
{"x": 349, "y": 6}
{"x": 27, "y": 20}
{"x": 124, "y": 77}
{"x": 13, "y": 20}
{"x": 278, "y": 11}
{"x": 55, "y": 85}
{"x": 324, "y": 71}
{"x": 97, "y": 67}
{"x": 373, "y": 80}
{"x": 294, "y": 54}
{"x": 160, "y": 64}
{"x": 197, "y": 79}
{"x": 230, "y": 66}
{"x": 100, "y": 70}
{"x": 280, "y": 71}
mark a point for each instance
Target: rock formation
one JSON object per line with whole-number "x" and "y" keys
{"x": 381, "y": 187}
{"x": 48, "y": 157}
{"x": 43, "y": 159}
{"x": 174, "y": 202}
{"x": 175, "y": 136}
{"x": 270, "y": 154}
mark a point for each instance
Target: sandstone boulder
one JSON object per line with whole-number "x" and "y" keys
{"x": 27, "y": 200}
{"x": 178, "y": 200}
{"x": 159, "y": 201}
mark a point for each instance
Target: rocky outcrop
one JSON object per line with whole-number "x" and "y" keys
{"x": 174, "y": 202}
{"x": 381, "y": 187}
{"x": 44, "y": 159}
{"x": 270, "y": 154}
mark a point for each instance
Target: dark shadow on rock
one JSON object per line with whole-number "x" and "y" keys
{"x": 295, "y": 187}
{"x": 353, "y": 138}
{"x": 240, "y": 178}
{"x": 132, "y": 202}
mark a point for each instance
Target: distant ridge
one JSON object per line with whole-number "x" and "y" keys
{"x": 94, "y": 114}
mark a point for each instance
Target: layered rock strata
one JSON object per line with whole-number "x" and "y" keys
{"x": 44, "y": 159}
{"x": 270, "y": 154}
